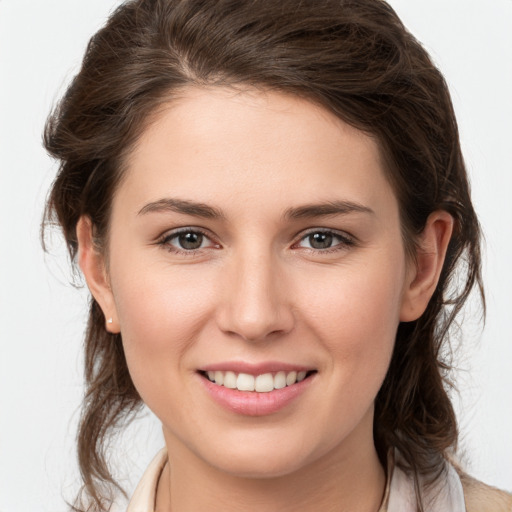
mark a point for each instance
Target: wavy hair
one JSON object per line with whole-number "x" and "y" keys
{"x": 353, "y": 57}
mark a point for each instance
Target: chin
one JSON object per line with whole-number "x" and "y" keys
{"x": 264, "y": 456}
{"x": 260, "y": 466}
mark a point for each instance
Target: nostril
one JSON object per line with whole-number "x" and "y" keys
{"x": 255, "y": 307}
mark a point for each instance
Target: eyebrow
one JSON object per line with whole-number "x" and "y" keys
{"x": 326, "y": 209}
{"x": 205, "y": 211}
{"x": 182, "y": 206}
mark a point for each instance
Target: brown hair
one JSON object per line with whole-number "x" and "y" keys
{"x": 353, "y": 57}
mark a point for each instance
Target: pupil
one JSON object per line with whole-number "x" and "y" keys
{"x": 320, "y": 240}
{"x": 190, "y": 240}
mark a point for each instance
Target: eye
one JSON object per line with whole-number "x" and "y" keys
{"x": 324, "y": 240}
{"x": 187, "y": 240}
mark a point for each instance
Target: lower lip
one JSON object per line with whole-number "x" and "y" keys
{"x": 252, "y": 403}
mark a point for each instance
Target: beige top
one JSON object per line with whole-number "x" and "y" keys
{"x": 446, "y": 495}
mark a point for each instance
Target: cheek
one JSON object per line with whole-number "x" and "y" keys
{"x": 156, "y": 297}
{"x": 356, "y": 317}
{"x": 160, "y": 313}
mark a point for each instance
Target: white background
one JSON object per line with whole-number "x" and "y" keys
{"x": 42, "y": 315}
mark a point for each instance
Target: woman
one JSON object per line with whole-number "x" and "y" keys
{"x": 268, "y": 202}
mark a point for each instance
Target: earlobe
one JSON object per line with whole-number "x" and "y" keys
{"x": 424, "y": 273}
{"x": 92, "y": 264}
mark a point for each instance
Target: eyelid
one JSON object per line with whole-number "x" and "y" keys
{"x": 346, "y": 239}
{"x": 164, "y": 239}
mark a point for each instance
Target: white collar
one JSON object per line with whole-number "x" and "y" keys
{"x": 143, "y": 499}
{"x": 445, "y": 495}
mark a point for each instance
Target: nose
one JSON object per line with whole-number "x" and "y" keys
{"x": 255, "y": 302}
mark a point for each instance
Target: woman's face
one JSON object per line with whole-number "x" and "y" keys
{"x": 253, "y": 238}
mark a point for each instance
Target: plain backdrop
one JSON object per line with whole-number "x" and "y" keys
{"x": 42, "y": 315}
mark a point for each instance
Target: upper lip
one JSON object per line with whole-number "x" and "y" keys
{"x": 254, "y": 368}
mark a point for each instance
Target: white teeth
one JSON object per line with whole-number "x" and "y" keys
{"x": 280, "y": 380}
{"x": 291, "y": 378}
{"x": 263, "y": 383}
{"x": 244, "y": 382}
{"x": 230, "y": 380}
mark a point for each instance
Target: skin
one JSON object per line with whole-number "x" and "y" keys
{"x": 256, "y": 290}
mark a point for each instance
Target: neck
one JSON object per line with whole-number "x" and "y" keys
{"x": 341, "y": 481}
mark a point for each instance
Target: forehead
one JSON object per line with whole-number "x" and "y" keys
{"x": 221, "y": 145}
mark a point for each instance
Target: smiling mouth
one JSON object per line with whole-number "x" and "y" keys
{"x": 263, "y": 383}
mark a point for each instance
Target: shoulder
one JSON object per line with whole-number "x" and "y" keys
{"x": 480, "y": 497}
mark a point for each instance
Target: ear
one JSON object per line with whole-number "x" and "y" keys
{"x": 425, "y": 269}
{"x": 93, "y": 266}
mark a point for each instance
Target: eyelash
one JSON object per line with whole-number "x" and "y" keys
{"x": 344, "y": 241}
{"x": 166, "y": 239}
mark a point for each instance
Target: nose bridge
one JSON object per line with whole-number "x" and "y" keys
{"x": 255, "y": 304}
